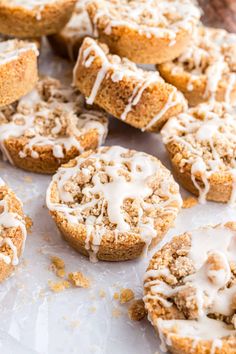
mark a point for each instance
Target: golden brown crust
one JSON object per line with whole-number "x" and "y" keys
{"x": 47, "y": 163}
{"x": 18, "y": 76}
{"x": 113, "y": 96}
{"x": 22, "y": 22}
{"x": 14, "y": 233}
{"x": 136, "y": 46}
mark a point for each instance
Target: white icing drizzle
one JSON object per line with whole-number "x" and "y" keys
{"x": 211, "y": 56}
{"x": 162, "y": 19}
{"x": 117, "y": 69}
{"x": 207, "y": 135}
{"x": 8, "y": 220}
{"x": 113, "y": 194}
{"x": 212, "y": 251}
{"x": 58, "y": 120}
{"x": 11, "y": 50}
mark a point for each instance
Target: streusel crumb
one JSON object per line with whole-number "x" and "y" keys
{"x": 57, "y": 262}
{"x": 77, "y": 279}
{"x": 137, "y": 310}
{"x": 29, "y": 224}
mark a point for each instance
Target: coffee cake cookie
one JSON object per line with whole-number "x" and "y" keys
{"x": 48, "y": 127}
{"x": 18, "y": 69}
{"x": 113, "y": 203}
{"x": 147, "y": 31}
{"x": 190, "y": 291}
{"x": 202, "y": 145}
{"x": 12, "y": 230}
{"x": 27, "y": 18}
{"x": 206, "y": 69}
{"x": 67, "y": 42}
{"x": 138, "y": 97}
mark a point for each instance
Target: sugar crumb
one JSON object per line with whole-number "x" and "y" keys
{"x": 189, "y": 202}
{"x": 137, "y": 310}
{"x": 77, "y": 279}
{"x": 57, "y": 262}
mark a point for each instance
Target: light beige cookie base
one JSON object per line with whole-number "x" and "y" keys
{"x": 15, "y": 21}
{"x": 47, "y": 163}
{"x": 113, "y": 96}
{"x": 64, "y": 46}
{"x": 18, "y": 77}
{"x": 127, "y": 42}
{"x": 220, "y": 184}
{"x": 15, "y": 234}
{"x": 197, "y": 94}
{"x": 127, "y": 247}
{"x": 184, "y": 345}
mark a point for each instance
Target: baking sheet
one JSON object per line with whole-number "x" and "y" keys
{"x": 34, "y": 320}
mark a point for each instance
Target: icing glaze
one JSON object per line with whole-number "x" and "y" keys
{"x": 118, "y": 175}
{"x": 9, "y": 219}
{"x": 162, "y": 19}
{"x": 206, "y": 135}
{"x": 212, "y": 288}
{"x": 120, "y": 69}
{"x": 51, "y": 115}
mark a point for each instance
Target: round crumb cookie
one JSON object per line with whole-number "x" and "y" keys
{"x": 137, "y": 97}
{"x": 34, "y": 18}
{"x": 18, "y": 69}
{"x": 114, "y": 203}
{"x": 48, "y": 127}
{"x": 12, "y": 230}
{"x": 67, "y": 42}
{"x": 202, "y": 147}
{"x": 190, "y": 291}
{"x": 147, "y": 31}
{"x": 206, "y": 69}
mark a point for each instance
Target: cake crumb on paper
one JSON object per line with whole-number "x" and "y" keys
{"x": 57, "y": 287}
{"x": 77, "y": 279}
{"x": 126, "y": 295}
{"x": 116, "y": 296}
{"x": 189, "y": 202}
{"x": 137, "y": 310}
{"x": 116, "y": 312}
{"x": 28, "y": 224}
{"x": 102, "y": 293}
{"x": 57, "y": 262}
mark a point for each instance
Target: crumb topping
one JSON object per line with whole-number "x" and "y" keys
{"x": 126, "y": 295}
{"x": 137, "y": 310}
{"x": 51, "y": 115}
{"x": 79, "y": 280}
{"x": 79, "y": 24}
{"x": 189, "y": 202}
{"x": 190, "y": 284}
{"x": 203, "y": 141}
{"x": 116, "y": 191}
{"x": 152, "y": 17}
